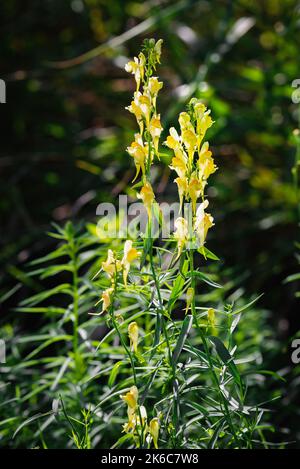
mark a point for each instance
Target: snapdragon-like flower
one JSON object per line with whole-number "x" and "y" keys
{"x": 106, "y": 298}
{"x": 130, "y": 255}
{"x": 111, "y": 266}
{"x": 154, "y": 431}
{"x": 137, "y": 68}
{"x": 147, "y": 196}
{"x": 155, "y": 130}
{"x": 181, "y": 233}
{"x": 139, "y": 151}
{"x": 203, "y": 222}
{"x": 133, "y": 333}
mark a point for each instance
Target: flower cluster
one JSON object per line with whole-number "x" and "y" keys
{"x": 137, "y": 419}
{"x": 193, "y": 164}
{"x": 112, "y": 266}
{"x": 143, "y": 106}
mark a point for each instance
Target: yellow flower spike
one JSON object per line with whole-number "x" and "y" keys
{"x": 130, "y": 254}
{"x": 195, "y": 189}
{"x": 203, "y": 222}
{"x": 155, "y": 130}
{"x": 181, "y": 234}
{"x": 182, "y": 188}
{"x": 189, "y": 298}
{"x": 106, "y": 298}
{"x": 133, "y": 333}
{"x": 131, "y": 397}
{"x": 154, "y": 431}
{"x": 147, "y": 196}
{"x": 139, "y": 152}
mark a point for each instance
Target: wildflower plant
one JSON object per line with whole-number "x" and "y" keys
{"x": 144, "y": 341}
{"x": 185, "y": 362}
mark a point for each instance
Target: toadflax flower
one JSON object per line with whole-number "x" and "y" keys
{"x": 133, "y": 333}
{"x": 106, "y": 298}
{"x": 136, "y": 67}
{"x": 147, "y": 196}
{"x": 130, "y": 255}
{"x": 203, "y": 222}
{"x": 189, "y": 298}
{"x": 154, "y": 431}
{"x": 155, "y": 130}
{"x": 181, "y": 233}
{"x": 111, "y": 266}
{"x": 139, "y": 151}
{"x": 131, "y": 398}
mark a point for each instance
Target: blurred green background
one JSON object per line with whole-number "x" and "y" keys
{"x": 64, "y": 131}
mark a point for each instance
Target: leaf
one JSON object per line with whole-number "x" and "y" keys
{"x": 185, "y": 329}
{"x": 31, "y": 419}
{"x": 227, "y": 359}
{"x": 247, "y": 305}
{"x": 128, "y": 436}
{"x": 178, "y": 286}
{"x": 205, "y": 278}
{"x": 113, "y": 374}
{"x": 208, "y": 254}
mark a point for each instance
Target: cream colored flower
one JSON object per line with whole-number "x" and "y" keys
{"x": 111, "y": 266}
{"x": 195, "y": 189}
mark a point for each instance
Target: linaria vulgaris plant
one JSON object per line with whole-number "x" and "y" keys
{"x": 156, "y": 360}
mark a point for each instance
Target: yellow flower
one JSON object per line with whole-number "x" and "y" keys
{"x": 136, "y": 67}
{"x": 106, "y": 298}
{"x": 182, "y": 188}
{"x": 154, "y": 86}
{"x": 139, "y": 152}
{"x": 111, "y": 266}
{"x": 155, "y": 130}
{"x": 130, "y": 254}
{"x": 179, "y": 165}
{"x": 189, "y": 298}
{"x": 203, "y": 119}
{"x": 157, "y": 50}
{"x": 206, "y": 163}
{"x": 190, "y": 141}
{"x": 154, "y": 431}
{"x": 185, "y": 122}
{"x": 181, "y": 233}
{"x": 203, "y": 222}
{"x": 195, "y": 189}
{"x": 173, "y": 140}
{"x": 145, "y": 105}
{"x": 133, "y": 332}
{"x": 131, "y": 397}
{"x": 147, "y": 196}
{"x": 135, "y": 108}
